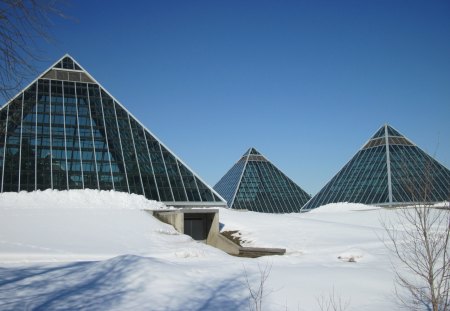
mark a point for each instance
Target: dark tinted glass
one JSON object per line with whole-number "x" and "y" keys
{"x": 62, "y": 133}
{"x": 255, "y": 184}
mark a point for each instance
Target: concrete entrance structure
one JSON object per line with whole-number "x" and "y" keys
{"x": 203, "y": 225}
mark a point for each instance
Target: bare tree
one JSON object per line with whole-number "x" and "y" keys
{"x": 332, "y": 302}
{"x": 419, "y": 236}
{"x": 258, "y": 293}
{"x": 420, "y": 241}
{"x": 23, "y": 23}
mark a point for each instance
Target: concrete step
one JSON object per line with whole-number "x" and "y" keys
{"x": 254, "y": 252}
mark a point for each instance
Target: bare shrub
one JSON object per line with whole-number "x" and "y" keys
{"x": 332, "y": 302}
{"x": 258, "y": 292}
{"x": 418, "y": 236}
{"x": 420, "y": 241}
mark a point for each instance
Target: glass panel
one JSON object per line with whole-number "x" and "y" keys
{"x": 74, "y": 165}
{"x": 228, "y": 184}
{"x": 205, "y": 192}
{"x": 100, "y": 140}
{"x": 28, "y": 155}
{"x": 159, "y": 169}
{"x": 151, "y": 191}
{"x": 58, "y": 150}
{"x": 189, "y": 183}
{"x": 43, "y": 171}
{"x": 12, "y": 155}
{"x": 416, "y": 177}
{"x": 88, "y": 152}
{"x": 3, "y": 116}
{"x": 379, "y": 133}
{"x": 174, "y": 176}
{"x": 216, "y": 198}
{"x": 132, "y": 166}
{"x": 253, "y": 151}
{"x": 114, "y": 142}
{"x": 392, "y": 132}
{"x": 67, "y": 63}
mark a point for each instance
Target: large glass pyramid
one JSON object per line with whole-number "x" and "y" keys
{"x": 65, "y": 131}
{"x": 388, "y": 170}
{"x": 255, "y": 184}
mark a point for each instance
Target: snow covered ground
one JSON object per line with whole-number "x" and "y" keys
{"x": 92, "y": 250}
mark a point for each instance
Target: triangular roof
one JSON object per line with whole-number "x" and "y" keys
{"x": 255, "y": 184}
{"x": 66, "y": 131}
{"x": 388, "y": 170}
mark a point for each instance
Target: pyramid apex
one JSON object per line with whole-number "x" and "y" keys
{"x": 67, "y": 55}
{"x": 250, "y": 151}
{"x": 253, "y": 150}
{"x": 67, "y": 62}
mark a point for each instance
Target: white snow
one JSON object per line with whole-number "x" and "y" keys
{"x": 77, "y": 199}
{"x": 97, "y": 250}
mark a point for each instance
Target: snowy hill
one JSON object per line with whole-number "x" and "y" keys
{"x": 96, "y": 250}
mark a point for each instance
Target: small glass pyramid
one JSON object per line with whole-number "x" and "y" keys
{"x": 255, "y": 184}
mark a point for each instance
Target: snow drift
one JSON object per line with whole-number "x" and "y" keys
{"x": 100, "y": 250}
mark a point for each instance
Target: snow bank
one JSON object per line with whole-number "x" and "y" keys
{"x": 342, "y": 207}
{"x": 99, "y": 250}
{"x": 62, "y": 226}
{"x": 86, "y": 198}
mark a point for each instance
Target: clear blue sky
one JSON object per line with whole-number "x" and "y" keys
{"x": 304, "y": 82}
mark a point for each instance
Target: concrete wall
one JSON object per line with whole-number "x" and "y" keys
{"x": 221, "y": 242}
{"x": 214, "y": 238}
{"x": 212, "y": 221}
{"x": 175, "y": 219}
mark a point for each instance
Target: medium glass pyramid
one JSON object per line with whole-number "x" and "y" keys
{"x": 255, "y": 184}
{"x": 388, "y": 170}
{"x": 65, "y": 131}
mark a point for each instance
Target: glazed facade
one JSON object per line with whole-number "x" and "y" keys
{"x": 65, "y": 131}
{"x": 388, "y": 170}
{"x": 255, "y": 184}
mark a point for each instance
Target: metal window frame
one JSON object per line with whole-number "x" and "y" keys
{"x": 135, "y": 152}
{"x": 388, "y": 163}
{"x": 283, "y": 175}
{"x": 36, "y": 136}
{"x": 196, "y": 185}
{"x": 167, "y": 173}
{"x": 92, "y": 132}
{"x": 65, "y": 135}
{"x": 4, "y": 148}
{"x": 20, "y": 142}
{"x": 182, "y": 181}
{"x": 120, "y": 143}
{"x": 50, "y": 127}
{"x": 292, "y": 199}
{"x": 78, "y": 133}
{"x": 106, "y": 134}
{"x": 151, "y": 164}
{"x": 240, "y": 178}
